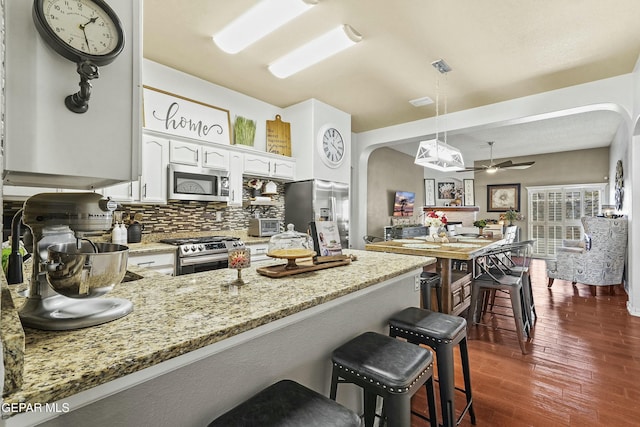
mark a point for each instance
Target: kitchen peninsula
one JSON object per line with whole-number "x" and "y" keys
{"x": 193, "y": 346}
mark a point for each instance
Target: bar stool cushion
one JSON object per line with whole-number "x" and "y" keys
{"x": 383, "y": 361}
{"x": 288, "y": 404}
{"x": 427, "y": 324}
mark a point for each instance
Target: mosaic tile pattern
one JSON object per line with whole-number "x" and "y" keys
{"x": 176, "y": 315}
{"x": 190, "y": 217}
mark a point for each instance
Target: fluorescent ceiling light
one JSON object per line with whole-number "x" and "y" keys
{"x": 437, "y": 155}
{"x": 257, "y": 22}
{"x": 315, "y": 51}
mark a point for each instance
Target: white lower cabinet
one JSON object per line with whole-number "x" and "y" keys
{"x": 258, "y": 251}
{"x": 163, "y": 262}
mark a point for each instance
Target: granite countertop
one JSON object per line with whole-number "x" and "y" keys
{"x": 176, "y": 315}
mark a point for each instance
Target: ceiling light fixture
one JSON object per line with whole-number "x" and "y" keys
{"x": 420, "y": 102}
{"x": 315, "y": 51}
{"x": 257, "y": 22}
{"x": 436, "y": 154}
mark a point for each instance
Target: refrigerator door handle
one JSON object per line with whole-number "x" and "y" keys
{"x": 333, "y": 209}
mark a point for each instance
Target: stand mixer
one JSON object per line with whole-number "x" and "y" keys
{"x": 69, "y": 271}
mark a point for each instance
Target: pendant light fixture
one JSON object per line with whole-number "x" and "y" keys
{"x": 434, "y": 153}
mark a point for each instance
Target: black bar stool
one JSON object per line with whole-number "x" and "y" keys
{"x": 442, "y": 332}
{"x": 430, "y": 280}
{"x": 383, "y": 366}
{"x": 287, "y": 403}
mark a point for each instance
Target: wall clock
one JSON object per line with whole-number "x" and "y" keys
{"x": 87, "y": 32}
{"x": 331, "y": 146}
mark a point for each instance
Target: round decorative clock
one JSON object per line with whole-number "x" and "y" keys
{"x": 87, "y": 32}
{"x": 331, "y": 146}
{"x": 80, "y": 30}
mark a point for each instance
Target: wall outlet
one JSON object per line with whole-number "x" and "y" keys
{"x": 219, "y": 216}
{"x": 416, "y": 285}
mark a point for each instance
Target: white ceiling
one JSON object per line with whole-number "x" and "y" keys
{"x": 498, "y": 50}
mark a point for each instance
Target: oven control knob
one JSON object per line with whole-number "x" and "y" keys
{"x": 185, "y": 249}
{"x": 201, "y": 247}
{"x": 193, "y": 248}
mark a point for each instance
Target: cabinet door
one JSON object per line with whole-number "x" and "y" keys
{"x": 257, "y": 165}
{"x": 283, "y": 169}
{"x": 258, "y": 251}
{"x": 235, "y": 179}
{"x": 155, "y": 158}
{"x": 184, "y": 153}
{"x": 215, "y": 158}
{"x": 164, "y": 263}
{"x": 122, "y": 192}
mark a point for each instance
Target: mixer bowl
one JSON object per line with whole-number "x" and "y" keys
{"x": 81, "y": 272}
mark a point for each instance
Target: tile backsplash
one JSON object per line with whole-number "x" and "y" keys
{"x": 192, "y": 216}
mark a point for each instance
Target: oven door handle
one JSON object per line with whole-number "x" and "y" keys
{"x": 202, "y": 259}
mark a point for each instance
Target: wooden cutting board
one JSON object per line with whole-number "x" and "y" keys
{"x": 280, "y": 271}
{"x": 279, "y": 137}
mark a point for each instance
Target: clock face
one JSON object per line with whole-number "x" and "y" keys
{"x": 80, "y": 29}
{"x": 332, "y": 146}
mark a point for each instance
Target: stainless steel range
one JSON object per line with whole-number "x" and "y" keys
{"x": 203, "y": 253}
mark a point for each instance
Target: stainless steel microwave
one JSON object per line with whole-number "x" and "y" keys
{"x": 194, "y": 183}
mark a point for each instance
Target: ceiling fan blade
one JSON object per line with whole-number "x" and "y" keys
{"x": 524, "y": 165}
{"x": 472, "y": 169}
{"x": 504, "y": 164}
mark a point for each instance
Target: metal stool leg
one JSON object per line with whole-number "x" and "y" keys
{"x": 516, "y": 306}
{"x": 466, "y": 373}
{"x": 444, "y": 359}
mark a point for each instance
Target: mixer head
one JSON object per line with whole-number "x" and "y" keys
{"x": 84, "y": 213}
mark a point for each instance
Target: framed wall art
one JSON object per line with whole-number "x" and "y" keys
{"x": 446, "y": 190}
{"x": 504, "y": 197}
{"x": 429, "y": 192}
{"x": 469, "y": 192}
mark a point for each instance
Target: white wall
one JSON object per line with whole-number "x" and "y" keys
{"x": 309, "y": 119}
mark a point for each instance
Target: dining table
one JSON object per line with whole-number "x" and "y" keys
{"x": 454, "y": 256}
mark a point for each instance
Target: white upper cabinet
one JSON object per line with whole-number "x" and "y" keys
{"x": 215, "y": 157}
{"x": 46, "y": 144}
{"x": 153, "y": 182}
{"x": 184, "y": 153}
{"x": 203, "y": 155}
{"x": 285, "y": 169}
{"x": 235, "y": 178}
{"x": 270, "y": 167}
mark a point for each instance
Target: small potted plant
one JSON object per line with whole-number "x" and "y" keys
{"x": 481, "y": 223}
{"x": 511, "y": 215}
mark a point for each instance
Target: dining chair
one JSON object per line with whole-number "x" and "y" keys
{"x": 490, "y": 274}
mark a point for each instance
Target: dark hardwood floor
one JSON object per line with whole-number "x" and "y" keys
{"x": 583, "y": 366}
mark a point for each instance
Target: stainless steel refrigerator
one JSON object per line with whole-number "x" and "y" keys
{"x": 317, "y": 200}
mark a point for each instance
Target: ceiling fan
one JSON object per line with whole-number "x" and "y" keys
{"x": 495, "y": 167}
